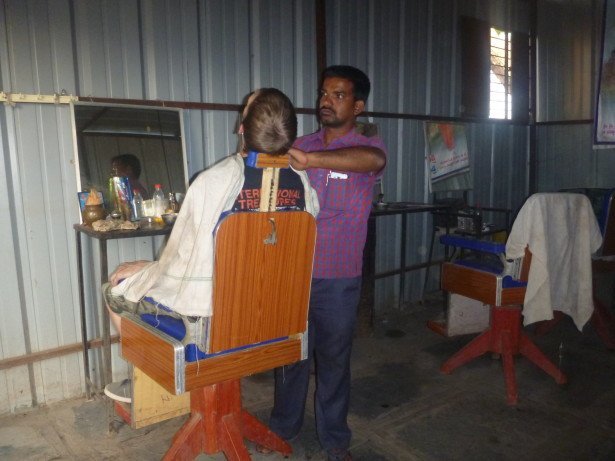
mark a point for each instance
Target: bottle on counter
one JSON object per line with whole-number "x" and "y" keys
{"x": 137, "y": 206}
{"x": 173, "y": 206}
{"x": 160, "y": 203}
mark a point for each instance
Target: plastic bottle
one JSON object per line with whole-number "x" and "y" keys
{"x": 137, "y": 206}
{"x": 173, "y": 206}
{"x": 159, "y": 201}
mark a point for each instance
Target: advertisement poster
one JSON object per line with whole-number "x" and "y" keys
{"x": 604, "y": 132}
{"x": 447, "y": 150}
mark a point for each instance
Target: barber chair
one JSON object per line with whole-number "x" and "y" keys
{"x": 262, "y": 276}
{"x": 515, "y": 288}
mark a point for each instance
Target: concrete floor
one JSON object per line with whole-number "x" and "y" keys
{"x": 402, "y": 407}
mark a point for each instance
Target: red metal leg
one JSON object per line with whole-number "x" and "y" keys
{"x": 260, "y": 434}
{"x": 218, "y": 423}
{"x": 505, "y": 337}
{"x": 231, "y": 440}
{"x": 508, "y": 363}
{"x": 478, "y": 346}
{"x": 187, "y": 443}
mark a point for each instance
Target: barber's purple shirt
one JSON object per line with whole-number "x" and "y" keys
{"x": 345, "y": 203}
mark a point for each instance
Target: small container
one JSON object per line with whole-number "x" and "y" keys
{"x": 173, "y": 206}
{"x": 137, "y": 206}
{"x": 169, "y": 218}
{"x": 149, "y": 209}
{"x": 92, "y": 213}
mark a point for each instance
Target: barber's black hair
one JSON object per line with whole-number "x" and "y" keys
{"x": 360, "y": 81}
{"x": 130, "y": 160}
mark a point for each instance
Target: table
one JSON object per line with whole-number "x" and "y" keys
{"x": 387, "y": 209}
{"x": 102, "y": 237}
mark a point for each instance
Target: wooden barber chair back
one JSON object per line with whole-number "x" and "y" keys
{"x": 262, "y": 277}
{"x": 262, "y": 284}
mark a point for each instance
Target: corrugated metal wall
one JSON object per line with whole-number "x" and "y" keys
{"x": 216, "y": 51}
{"x": 411, "y": 52}
{"x": 568, "y": 58}
{"x": 203, "y": 51}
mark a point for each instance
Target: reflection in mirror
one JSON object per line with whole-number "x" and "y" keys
{"x": 125, "y": 139}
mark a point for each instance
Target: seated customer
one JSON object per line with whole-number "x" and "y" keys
{"x": 180, "y": 283}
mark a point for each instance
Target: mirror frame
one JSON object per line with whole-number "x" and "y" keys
{"x": 76, "y": 147}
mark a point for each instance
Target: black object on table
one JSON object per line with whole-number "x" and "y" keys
{"x": 102, "y": 238}
{"x": 388, "y": 209}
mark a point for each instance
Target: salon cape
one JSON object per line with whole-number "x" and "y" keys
{"x": 182, "y": 278}
{"x": 562, "y": 232}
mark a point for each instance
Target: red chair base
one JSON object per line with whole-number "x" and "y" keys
{"x": 505, "y": 337}
{"x": 217, "y": 423}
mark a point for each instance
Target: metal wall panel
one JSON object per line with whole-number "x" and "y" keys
{"x": 217, "y": 51}
{"x": 206, "y": 51}
{"x": 41, "y": 176}
{"x": 566, "y": 159}
{"x": 568, "y": 64}
{"x": 566, "y": 59}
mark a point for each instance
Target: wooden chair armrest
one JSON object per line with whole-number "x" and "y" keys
{"x": 159, "y": 355}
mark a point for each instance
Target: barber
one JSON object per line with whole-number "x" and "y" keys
{"x": 342, "y": 166}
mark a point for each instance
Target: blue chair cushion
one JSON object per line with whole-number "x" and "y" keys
{"x": 486, "y": 262}
{"x": 468, "y": 243}
{"x": 175, "y": 328}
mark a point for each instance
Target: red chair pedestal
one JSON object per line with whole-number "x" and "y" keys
{"x": 217, "y": 423}
{"x": 505, "y": 337}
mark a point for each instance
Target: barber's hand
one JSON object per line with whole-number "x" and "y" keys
{"x": 125, "y": 270}
{"x": 298, "y": 159}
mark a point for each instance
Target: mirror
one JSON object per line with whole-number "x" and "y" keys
{"x": 151, "y": 135}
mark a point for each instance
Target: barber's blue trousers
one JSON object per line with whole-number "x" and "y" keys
{"x": 332, "y": 320}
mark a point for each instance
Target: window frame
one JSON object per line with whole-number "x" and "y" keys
{"x": 476, "y": 68}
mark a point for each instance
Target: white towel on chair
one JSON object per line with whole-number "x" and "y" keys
{"x": 562, "y": 232}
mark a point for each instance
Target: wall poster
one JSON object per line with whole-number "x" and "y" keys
{"x": 604, "y": 120}
{"x": 446, "y": 150}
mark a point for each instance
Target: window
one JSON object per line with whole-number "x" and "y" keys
{"x": 494, "y": 72}
{"x": 500, "y": 75}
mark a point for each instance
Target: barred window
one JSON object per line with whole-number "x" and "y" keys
{"x": 500, "y": 75}
{"x": 495, "y": 79}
